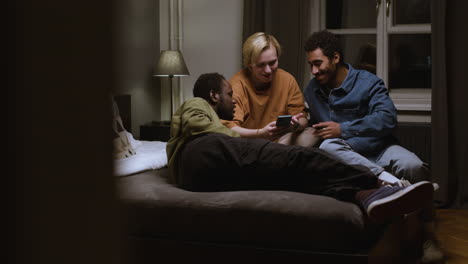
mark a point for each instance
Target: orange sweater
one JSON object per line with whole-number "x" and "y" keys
{"x": 255, "y": 109}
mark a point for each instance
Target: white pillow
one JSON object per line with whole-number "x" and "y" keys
{"x": 122, "y": 146}
{"x": 135, "y": 143}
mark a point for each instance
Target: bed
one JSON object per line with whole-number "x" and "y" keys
{"x": 170, "y": 225}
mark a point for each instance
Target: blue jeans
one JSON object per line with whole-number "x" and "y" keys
{"x": 395, "y": 159}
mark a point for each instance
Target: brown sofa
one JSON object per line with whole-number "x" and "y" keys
{"x": 170, "y": 225}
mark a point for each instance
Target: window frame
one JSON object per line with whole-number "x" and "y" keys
{"x": 405, "y": 99}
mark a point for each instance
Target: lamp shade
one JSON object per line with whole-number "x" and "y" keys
{"x": 171, "y": 63}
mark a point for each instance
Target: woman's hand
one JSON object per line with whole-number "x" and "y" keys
{"x": 272, "y": 132}
{"x": 298, "y": 122}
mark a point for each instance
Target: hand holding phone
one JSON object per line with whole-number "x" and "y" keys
{"x": 283, "y": 121}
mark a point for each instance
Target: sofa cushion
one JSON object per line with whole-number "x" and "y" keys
{"x": 277, "y": 219}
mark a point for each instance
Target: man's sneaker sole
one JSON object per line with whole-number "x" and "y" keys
{"x": 402, "y": 202}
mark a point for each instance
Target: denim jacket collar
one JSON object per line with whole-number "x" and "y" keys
{"x": 348, "y": 82}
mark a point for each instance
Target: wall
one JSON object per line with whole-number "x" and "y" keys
{"x": 211, "y": 39}
{"x": 136, "y": 46}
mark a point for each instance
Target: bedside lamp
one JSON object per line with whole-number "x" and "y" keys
{"x": 171, "y": 63}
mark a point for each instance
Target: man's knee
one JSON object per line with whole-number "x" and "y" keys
{"x": 412, "y": 169}
{"x": 334, "y": 145}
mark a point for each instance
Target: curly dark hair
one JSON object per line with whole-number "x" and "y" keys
{"x": 208, "y": 82}
{"x": 327, "y": 42}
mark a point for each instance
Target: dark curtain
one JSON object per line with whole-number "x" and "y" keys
{"x": 288, "y": 22}
{"x": 254, "y": 18}
{"x": 449, "y": 106}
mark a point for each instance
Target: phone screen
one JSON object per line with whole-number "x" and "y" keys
{"x": 284, "y": 120}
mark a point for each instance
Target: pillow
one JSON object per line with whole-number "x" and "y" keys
{"x": 133, "y": 142}
{"x": 122, "y": 147}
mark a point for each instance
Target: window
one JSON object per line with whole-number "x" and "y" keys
{"x": 391, "y": 38}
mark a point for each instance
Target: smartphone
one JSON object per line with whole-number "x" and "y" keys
{"x": 283, "y": 121}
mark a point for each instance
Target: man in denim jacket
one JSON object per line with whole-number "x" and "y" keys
{"x": 351, "y": 111}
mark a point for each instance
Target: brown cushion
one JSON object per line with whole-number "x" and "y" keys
{"x": 278, "y": 219}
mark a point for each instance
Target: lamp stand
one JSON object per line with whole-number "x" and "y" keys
{"x": 172, "y": 98}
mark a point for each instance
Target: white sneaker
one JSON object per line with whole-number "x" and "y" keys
{"x": 405, "y": 183}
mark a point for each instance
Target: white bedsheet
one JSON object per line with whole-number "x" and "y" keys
{"x": 150, "y": 155}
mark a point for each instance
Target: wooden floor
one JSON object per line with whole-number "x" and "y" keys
{"x": 452, "y": 233}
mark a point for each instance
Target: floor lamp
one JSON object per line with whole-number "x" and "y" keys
{"x": 171, "y": 63}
